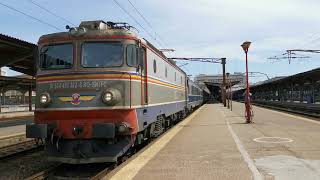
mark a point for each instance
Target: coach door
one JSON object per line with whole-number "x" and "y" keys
{"x": 144, "y": 75}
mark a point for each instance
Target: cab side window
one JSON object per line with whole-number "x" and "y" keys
{"x": 131, "y": 52}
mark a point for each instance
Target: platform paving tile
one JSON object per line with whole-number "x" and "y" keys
{"x": 7, "y": 131}
{"x": 297, "y": 159}
{"x": 12, "y": 135}
{"x": 203, "y": 149}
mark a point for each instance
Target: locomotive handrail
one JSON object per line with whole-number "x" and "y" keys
{"x": 130, "y": 89}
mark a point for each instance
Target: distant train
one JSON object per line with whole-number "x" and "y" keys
{"x": 196, "y": 95}
{"x": 102, "y": 90}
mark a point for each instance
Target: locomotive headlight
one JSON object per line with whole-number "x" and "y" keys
{"x": 77, "y": 31}
{"x": 107, "y": 97}
{"x": 44, "y": 98}
{"x": 111, "y": 96}
{"x": 73, "y": 31}
{"x": 82, "y": 31}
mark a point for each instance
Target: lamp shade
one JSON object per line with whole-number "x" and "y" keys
{"x": 245, "y": 46}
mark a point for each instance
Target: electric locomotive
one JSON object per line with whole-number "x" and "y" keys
{"x": 102, "y": 90}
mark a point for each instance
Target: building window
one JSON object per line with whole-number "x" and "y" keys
{"x": 181, "y": 79}
{"x": 175, "y": 76}
{"x": 154, "y": 66}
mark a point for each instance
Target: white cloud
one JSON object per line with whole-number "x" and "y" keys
{"x": 194, "y": 28}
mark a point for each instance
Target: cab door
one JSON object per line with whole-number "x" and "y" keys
{"x": 142, "y": 56}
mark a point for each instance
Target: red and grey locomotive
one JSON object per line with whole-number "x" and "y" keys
{"x": 101, "y": 90}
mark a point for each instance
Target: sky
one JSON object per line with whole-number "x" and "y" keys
{"x": 193, "y": 28}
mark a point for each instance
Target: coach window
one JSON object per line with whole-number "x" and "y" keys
{"x": 154, "y": 66}
{"x": 181, "y": 79}
{"x": 175, "y": 76}
{"x": 132, "y": 55}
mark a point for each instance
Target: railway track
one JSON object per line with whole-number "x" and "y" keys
{"x": 86, "y": 171}
{"x": 44, "y": 174}
{"x": 68, "y": 171}
{"x": 288, "y": 109}
{"x": 19, "y": 148}
{"x": 95, "y": 171}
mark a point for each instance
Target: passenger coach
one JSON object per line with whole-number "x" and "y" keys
{"x": 195, "y": 95}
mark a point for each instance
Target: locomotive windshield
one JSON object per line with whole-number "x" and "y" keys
{"x": 56, "y": 57}
{"x": 101, "y": 54}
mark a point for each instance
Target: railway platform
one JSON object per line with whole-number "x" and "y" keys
{"x": 13, "y": 127}
{"x": 8, "y": 131}
{"x": 215, "y": 143}
{"x": 13, "y": 130}
{"x": 15, "y": 115}
{"x": 12, "y": 135}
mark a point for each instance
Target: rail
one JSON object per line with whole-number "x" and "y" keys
{"x": 17, "y": 148}
{"x": 311, "y": 110}
{"x": 43, "y": 174}
{"x": 296, "y": 108}
{"x": 130, "y": 86}
{"x": 73, "y": 171}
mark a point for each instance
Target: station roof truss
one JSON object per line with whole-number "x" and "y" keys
{"x": 208, "y": 60}
{"x": 291, "y": 54}
{"x": 308, "y": 77}
{"x": 17, "y": 54}
{"x": 21, "y": 83}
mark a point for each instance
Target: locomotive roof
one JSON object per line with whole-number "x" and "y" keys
{"x": 102, "y": 28}
{"x": 106, "y": 32}
{"x": 162, "y": 55}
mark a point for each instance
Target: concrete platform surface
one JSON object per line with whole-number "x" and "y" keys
{"x": 215, "y": 143}
{"x": 12, "y": 115}
{"x": 12, "y": 135}
{"x": 16, "y": 122}
{"x": 12, "y": 130}
{"x": 283, "y": 146}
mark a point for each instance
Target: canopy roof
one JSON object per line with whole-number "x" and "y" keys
{"x": 21, "y": 83}
{"x": 17, "y": 54}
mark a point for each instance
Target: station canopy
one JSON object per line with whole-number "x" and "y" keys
{"x": 21, "y": 83}
{"x": 311, "y": 76}
{"x": 17, "y": 55}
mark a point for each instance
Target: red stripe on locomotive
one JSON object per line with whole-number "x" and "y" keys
{"x": 67, "y": 120}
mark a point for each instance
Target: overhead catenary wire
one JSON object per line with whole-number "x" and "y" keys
{"x": 136, "y": 21}
{"x": 317, "y": 39}
{"x": 300, "y": 46}
{"x": 310, "y": 39}
{"x": 147, "y": 22}
{"x": 50, "y": 12}
{"x": 31, "y": 17}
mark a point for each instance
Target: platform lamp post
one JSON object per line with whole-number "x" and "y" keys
{"x": 248, "y": 111}
{"x": 223, "y": 89}
{"x": 228, "y": 90}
